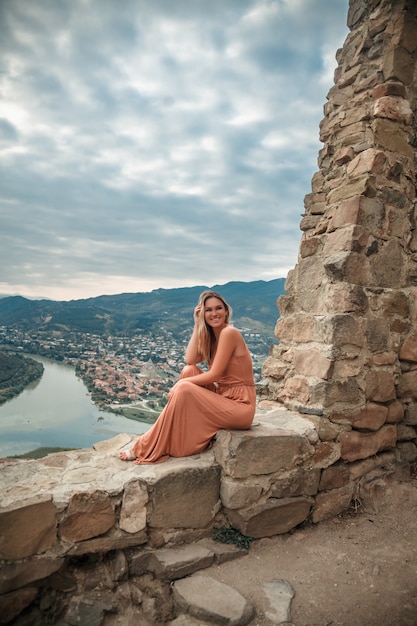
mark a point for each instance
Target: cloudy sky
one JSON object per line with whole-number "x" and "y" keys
{"x": 158, "y": 143}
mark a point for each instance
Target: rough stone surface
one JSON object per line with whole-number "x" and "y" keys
{"x": 273, "y": 517}
{"x": 172, "y": 501}
{"x": 176, "y": 563}
{"x": 207, "y": 599}
{"x": 28, "y": 527}
{"x": 279, "y": 594}
{"x": 133, "y": 511}
{"x": 88, "y": 515}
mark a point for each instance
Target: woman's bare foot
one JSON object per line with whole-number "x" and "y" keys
{"x": 127, "y": 455}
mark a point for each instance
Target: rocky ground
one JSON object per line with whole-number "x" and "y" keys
{"x": 358, "y": 569}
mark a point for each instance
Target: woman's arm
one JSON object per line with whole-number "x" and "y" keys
{"x": 228, "y": 341}
{"x": 192, "y": 356}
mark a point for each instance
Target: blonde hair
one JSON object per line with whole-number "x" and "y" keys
{"x": 205, "y": 334}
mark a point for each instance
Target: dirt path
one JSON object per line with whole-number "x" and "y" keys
{"x": 355, "y": 570}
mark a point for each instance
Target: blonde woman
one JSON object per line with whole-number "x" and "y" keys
{"x": 203, "y": 402}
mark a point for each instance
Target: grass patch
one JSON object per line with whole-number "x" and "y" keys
{"x": 231, "y": 535}
{"x": 39, "y": 453}
{"x": 138, "y": 414}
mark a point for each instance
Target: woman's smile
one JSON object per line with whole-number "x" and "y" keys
{"x": 214, "y": 312}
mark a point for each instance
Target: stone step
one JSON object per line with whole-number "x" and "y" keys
{"x": 170, "y": 564}
{"x": 208, "y": 599}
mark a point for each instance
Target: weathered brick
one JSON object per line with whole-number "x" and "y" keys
{"x": 27, "y": 528}
{"x": 357, "y": 445}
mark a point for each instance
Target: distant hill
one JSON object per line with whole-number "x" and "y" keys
{"x": 253, "y": 303}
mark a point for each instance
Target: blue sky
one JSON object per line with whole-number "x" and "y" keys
{"x": 158, "y": 143}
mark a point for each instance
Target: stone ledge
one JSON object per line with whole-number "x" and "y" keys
{"x": 262, "y": 481}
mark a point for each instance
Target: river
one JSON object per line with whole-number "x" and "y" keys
{"x": 57, "y": 411}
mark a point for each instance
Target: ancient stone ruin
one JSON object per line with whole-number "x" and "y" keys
{"x": 88, "y": 539}
{"x": 348, "y": 326}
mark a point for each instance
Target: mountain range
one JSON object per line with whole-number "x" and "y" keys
{"x": 253, "y": 303}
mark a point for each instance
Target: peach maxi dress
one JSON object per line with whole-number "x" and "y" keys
{"x": 194, "y": 414}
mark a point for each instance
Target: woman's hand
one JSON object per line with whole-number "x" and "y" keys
{"x": 197, "y": 312}
{"x": 171, "y": 391}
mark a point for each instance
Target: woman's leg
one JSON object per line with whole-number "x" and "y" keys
{"x": 187, "y": 371}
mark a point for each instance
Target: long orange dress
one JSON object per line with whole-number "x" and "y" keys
{"x": 194, "y": 414}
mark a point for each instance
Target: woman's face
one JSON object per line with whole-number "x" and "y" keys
{"x": 214, "y": 313}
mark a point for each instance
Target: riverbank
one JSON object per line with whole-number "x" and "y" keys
{"x": 57, "y": 412}
{"x": 16, "y": 373}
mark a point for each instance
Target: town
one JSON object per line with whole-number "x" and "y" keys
{"x": 131, "y": 375}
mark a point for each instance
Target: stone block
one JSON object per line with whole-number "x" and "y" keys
{"x": 391, "y": 88}
{"x": 312, "y": 362}
{"x": 405, "y": 30}
{"x": 362, "y": 211}
{"x": 302, "y": 481}
{"x": 89, "y": 514}
{"x": 298, "y": 328}
{"x": 357, "y": 445}
{"x": 371, "y": 417}
{"x": 406, "y": 452}
{"x": 325, "y": 453}
{"x": 364, "y": 185}
{"x": 17, "y": 574}
{"x": 377, "y": 335}
{"x": 351, "y": 238}
{"x": 408, "y": 351}
{"x": 393, "y": 108}
{"x": 133, "y": 511}
{"x": 261, "y": 450}
{"x": 324, "y": 427}
{"x": 209, "y": 600}
{"x": 345, "y": 298}
{"x": 27, "y": 527}
{"x": 349, "y": 267}
{"x": 396, "y": 412}
{"x": 240, "y": 493}
{"x": 370, "y": 160}
{"x": 386, "y": 460}
{"x": 172, "y": 500}
{"x": 380, "y": 386}
{"x": 309, "y": 280}
{"x": 410, "y": 416}
{"x": 295, "y": 388}
{"x": 405, "y": 433}
{"x": 331, "y": 503}
{"x": 336, "y": 393}
{"x": 344, "y": 155}
{"x": 274, "y": 368}
{"x": 13, "y": 603}
{"x": 398, "y": 64}
{"x": 407, "y": 385}
{"x": 114, "y": 540}
{"x": 174, "y": 563}
{"x": 340, "y": 329}
{"x": 223, "y": 552}
{"x": 387, "y": 267}
{"x": 308, "y": 247}
{"x": 390, "y": 136}
{"x": 273, "y": 517}
{"x": 334, "y": 477}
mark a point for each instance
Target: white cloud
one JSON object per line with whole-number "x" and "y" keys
{"x": 158, "y": 144}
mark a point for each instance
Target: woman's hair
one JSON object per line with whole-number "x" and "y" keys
{"x": 205, "y": 334}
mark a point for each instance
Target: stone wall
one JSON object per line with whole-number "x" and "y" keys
{"x": 348, "y": 324}
{"x": 86, "y": 538}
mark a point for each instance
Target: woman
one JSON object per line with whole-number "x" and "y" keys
{"x": 203, "y": 402}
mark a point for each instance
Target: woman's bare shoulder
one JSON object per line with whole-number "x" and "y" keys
{"x": 231, "y": 333}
